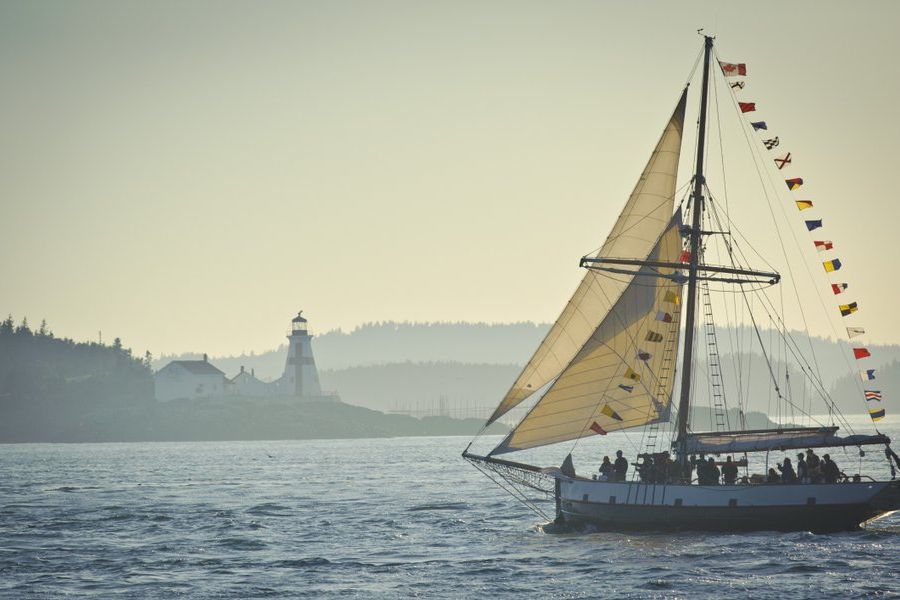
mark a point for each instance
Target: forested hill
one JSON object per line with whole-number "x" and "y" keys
{"x": 497, "y": 344}
{"x": 393, "y": 342}
{"x": 47, "y": 382}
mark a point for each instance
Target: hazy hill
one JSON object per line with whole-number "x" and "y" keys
{"x": 482, "y": 343}
{"x": 464, "y": 368}
{"x": 390, "y": 342}
{"x": 451, "y": 388}
{"x": 887, "y": 382}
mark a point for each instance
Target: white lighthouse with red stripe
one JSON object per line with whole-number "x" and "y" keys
{"x": 300, "y": 375}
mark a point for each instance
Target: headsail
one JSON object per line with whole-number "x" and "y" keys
{"x": 623, "y": 375}
{"x": 643, "y": 219}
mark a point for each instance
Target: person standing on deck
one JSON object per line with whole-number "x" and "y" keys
{"x": 830, "y": 470}
{"x": 620, "y": 467}
{"x": 802, "y": 469}
{"x": 713, "y": 472}
{"x": 606, "y": 470}
{"x": 729, "y": 471}
{"x": 787, "y": 471}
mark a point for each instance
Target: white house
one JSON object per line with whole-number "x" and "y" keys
{"x": 185, "y": 379}
{"x": 246, "y": 383}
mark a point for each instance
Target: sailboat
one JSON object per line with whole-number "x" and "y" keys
{"x": 612, "y": 360}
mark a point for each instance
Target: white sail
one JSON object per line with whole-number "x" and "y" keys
{"x": 643, "y": 219}
{"x": 623, "y": 375}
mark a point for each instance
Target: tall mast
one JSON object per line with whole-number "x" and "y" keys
{"x": 684, "y": 405}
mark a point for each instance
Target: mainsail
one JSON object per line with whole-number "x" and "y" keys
{"x": 645, "y": 216}
{"x": 623, "y": 374}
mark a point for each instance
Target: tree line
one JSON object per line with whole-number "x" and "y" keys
{"x": 48, "y": 383}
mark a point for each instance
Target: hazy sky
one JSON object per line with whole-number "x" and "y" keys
{"x": 186, "y": 175}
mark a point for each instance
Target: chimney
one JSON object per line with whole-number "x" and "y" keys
{"x": 205, "y": 357}
{"x": 242, "y": 369}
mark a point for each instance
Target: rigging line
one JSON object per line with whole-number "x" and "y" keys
{"x": 754, "y": 152}
{"x": 798, "y": 355}
{"x": 766, "y": 354}
{"x": 716, "y": 81}
{"x": 509, "y": 489}
{"x": 690, "y": 77}
{"x": 806, "y": 368}
{"x": 830, "y": 403}
{"x": 731, "y": 331}
{"x": 818, "y": 385}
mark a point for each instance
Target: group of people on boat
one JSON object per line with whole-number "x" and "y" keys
{"x": 661, "y": 468}
{"x": 810, "y": 469}
{"x": 614, "y": 471}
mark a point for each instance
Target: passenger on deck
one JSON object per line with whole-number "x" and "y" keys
{"x": 674, "y": 475}
{"x": 729, "y": 471}
{"x": 606, "y": 470}
{"x": 658, "y": 471}
{"x": 773, "y": 477}
{"x": 646, "y": 469}
{"x": 830, "y": 470}
{"x": 713, "y": 471}
{"x": 787, "y": 471}
{"x": 814, "y": 466}
{"x": 688, "y": 473}
{"x": 802, "y": 469}
{"x": 702, "y": 471}
{"x": 620, "y": 467}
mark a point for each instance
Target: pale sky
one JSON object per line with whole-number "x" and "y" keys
{"x": 187, "y": 175}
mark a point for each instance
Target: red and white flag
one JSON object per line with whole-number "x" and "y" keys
{"x": 823, "y": 245}
{"x": 732, "y": 69}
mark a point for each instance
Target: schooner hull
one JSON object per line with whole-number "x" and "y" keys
{"x": 635, "y": 506}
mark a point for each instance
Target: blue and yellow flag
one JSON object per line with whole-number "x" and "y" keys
{"x": 877, "y": 414}
{"x": 832, "y": 265}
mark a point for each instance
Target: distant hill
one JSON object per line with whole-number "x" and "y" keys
{"x": 495, "y": 344}
{"x": 456, "y": 389}
{"x": 390, "y": 342}
{"x": 847, "y": 389}
{"x": 59, "y": 390}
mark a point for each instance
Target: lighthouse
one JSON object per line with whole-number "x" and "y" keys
{"x": 300, "y": 376}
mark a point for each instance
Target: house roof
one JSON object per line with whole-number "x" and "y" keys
{"x": 245, "y": 376}
{"x": 198, "y": 367}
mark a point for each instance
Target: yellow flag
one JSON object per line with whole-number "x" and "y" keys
{"x": 630, "y": 374}
{"x": 672, "y": 297}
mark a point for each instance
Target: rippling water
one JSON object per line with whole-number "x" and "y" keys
{"x": 382, "y": 518}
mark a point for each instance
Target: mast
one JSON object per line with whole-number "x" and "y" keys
{"x": 684, "y": 404}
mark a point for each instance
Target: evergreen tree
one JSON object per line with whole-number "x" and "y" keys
{"x": 23, "y": 328}
{"x": 7, "y": 327}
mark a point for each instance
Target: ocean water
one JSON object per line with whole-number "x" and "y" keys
{"x": 366, "y": 518}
